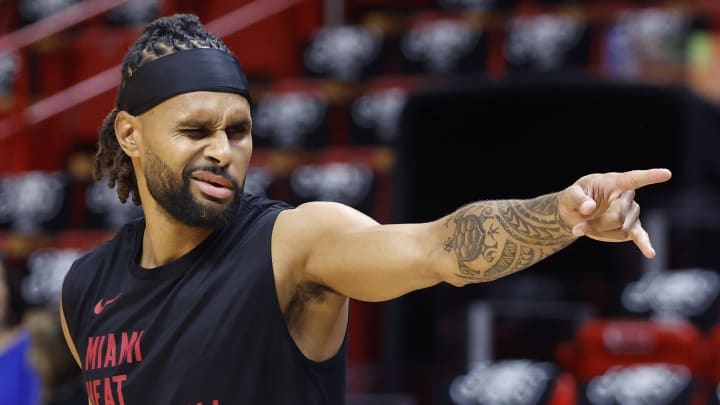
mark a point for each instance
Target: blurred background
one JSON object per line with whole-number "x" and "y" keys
{"x": 407, "y": 109}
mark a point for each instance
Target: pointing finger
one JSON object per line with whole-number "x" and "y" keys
{"x": 635, "y": 179}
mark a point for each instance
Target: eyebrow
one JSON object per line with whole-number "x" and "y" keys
{"x": 202, "y": 123}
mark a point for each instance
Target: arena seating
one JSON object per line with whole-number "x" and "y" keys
{"x": 331, "y": 123}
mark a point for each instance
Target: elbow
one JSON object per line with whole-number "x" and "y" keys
{"x": 446, "y": 269}
{"x": 453, "y": 276}
{"x": 460, "y": 276}
{"x": 457, "y": 281}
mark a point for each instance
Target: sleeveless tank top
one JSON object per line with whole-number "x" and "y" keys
{"x": 205, "y": 329}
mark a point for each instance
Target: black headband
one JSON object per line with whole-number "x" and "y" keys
{"x": 198, "y": 69}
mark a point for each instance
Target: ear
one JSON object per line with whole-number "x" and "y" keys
{"x": 127, "y": 131}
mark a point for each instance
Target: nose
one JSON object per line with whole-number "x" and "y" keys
{"x": 218, "y": 149}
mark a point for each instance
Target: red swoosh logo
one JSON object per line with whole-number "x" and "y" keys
{"x": 100, "y": 306}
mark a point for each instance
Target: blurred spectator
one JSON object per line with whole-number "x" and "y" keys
{"x": 61, "y": 380}
{"x": 648, "y": 44}
{"x": 19, "y": 382}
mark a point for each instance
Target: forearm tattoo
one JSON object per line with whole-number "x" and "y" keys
{"x": 491, "y": 239}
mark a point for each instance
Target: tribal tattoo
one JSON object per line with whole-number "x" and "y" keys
{"x": 507, "y": 235}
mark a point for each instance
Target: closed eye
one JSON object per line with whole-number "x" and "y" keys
{"x": 237, "y": 131}
{"x": 195, "y": 132}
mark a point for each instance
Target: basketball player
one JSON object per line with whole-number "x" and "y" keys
{"x": 220, "y": 297}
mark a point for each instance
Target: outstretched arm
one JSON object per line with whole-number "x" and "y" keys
{"x": 491, "y": 239}
{"x": 494, "y": 238}
{"x": 351, "y": 254}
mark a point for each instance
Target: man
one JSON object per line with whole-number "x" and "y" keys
{"x": 220, "y": 297}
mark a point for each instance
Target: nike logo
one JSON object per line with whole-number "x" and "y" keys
{"x": 100, "y": 306}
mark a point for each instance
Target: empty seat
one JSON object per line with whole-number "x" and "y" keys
{"x": 649, "y": 383}
{"x": 516, "y": 381}
{"x": 638, "y": 361}
{"x": 376, "y": 111}
{"x": 104, "y": 208}
{"x": 547, "y": 42}
{"x": 29, "y": 201}
{"x": 346, "y": 53}
{"x": 692, "y": 294}
{"x": 46, "y": 269}
{"x": 443, "y": 43}
{"x": 292, "y": 117}
{"x": 347, "y": 182}
{"x": 360, "y": 177}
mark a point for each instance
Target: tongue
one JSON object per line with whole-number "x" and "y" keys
{"x": 220, "y": 193}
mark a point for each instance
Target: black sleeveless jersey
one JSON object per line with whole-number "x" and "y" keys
{"x": 204, "y": 329}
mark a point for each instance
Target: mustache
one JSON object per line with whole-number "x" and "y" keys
{"x": 214, "y": 170}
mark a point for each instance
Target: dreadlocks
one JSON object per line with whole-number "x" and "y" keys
{"x": 161, "y": 37}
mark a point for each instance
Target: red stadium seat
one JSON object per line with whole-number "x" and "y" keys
{"x": 601, "y": 344}
{"x": 632, "y": 359}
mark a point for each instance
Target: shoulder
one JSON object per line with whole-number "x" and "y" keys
{"x": 323, "y": 216}
{"x": 118, "y": 246}
{"x": 299, "y": 230}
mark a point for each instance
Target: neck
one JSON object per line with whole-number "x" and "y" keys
{"x": 165, "y": 239}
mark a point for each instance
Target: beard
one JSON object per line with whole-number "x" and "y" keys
{"x": 174, "y": 196}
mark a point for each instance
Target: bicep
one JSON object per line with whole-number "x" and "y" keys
{"x": 352, "y": 254}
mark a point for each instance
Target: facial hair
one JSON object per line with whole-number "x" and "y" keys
{"x": 174, "y": 196}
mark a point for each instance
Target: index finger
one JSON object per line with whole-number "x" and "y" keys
{"x": 635, "y": 179}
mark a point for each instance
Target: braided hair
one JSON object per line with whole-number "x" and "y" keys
{"x": 161, "y": 37}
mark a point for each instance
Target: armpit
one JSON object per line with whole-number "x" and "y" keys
{"x": 306, "y": 293}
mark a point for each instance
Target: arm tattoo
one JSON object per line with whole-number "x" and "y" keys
{"x": 491, "y": 239}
